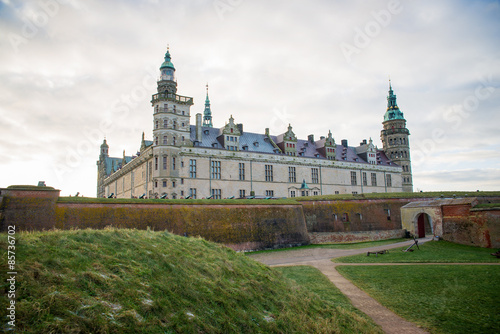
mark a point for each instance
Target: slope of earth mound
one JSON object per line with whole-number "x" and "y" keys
{"x": 131, "y": 281}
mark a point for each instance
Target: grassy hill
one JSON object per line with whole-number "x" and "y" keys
{"x": 131, "y": 281}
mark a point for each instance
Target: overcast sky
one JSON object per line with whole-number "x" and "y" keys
{"x": 68, "y": 68}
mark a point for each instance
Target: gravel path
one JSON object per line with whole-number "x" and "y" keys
{"x": 320, "y": 259}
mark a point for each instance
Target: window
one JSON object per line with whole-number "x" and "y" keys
{"x": 164, "y": 140}
{"x": 315, "y": 193}
{"x": 337, "y": 192}
{"x": 165, "y": 123}
{"x": 365, "y": 181}
{"x": 388, "y": 180}
{"x": 192, "y": 168}
{"x": 164, "y": 162}
{"x": 182, "y": 164}
{"x": 268, "y": 169}
{"x": 374, "y": 179}
{"x": 242, "y": 193}
{"x": 165, "y": 107}
{"x": 292, "y": 193}
{"x": 156, "y": 140}
{"x": 182, "y": 180}
{"x": 345, "y": 217}
{"x": 291, "y": 175}
{"x": 270, "y": 193}
{"x": 192, "y": 193}
{"x": 173, "y": 163}
{"x": 156, "y": 184}
{"x": 156, "y": 163}
{"x": 314, "y": 175}
{"x": 216, "y": 193}
{"x": 173, "y": 140}
{"x": 173, "y": 184}
{"x": 305, "y": 193}
{"x": 164, "y": 184}
{"x": 150, "y": 170}
{"x": 156, "y": 124}
{"x": 354, "y": 181}
{"x": 215, "y": 170}
{"x": 242, "y": 172}
{"x": 182, "y": 192}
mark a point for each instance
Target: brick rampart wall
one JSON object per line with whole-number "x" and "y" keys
{"x": 360, "y": 236}
{"x": 241, "y": 227}
{"x": 477, "y": 227}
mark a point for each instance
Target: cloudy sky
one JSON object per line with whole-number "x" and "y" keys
{"x": 73, "y": 72}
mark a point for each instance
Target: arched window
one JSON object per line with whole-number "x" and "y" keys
{"x": 165, "y": 123}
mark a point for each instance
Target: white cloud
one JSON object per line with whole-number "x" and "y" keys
{"x": 259, "y": 57}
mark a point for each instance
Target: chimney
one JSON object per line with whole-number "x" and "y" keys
{"x": 267, "y": 131}
{"x": 310, "y": 138}
{"x": 364, "y": 141}
{"x": 240, "y": 127}
{"x": 322, "y": 137}
{"x": 344, "y": 142}
{"x": 198, "y": 127}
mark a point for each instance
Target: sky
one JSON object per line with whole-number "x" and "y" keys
{"x": 73, "y": 72}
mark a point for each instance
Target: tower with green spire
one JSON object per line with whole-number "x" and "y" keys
{"x": 167, "y": 82}
{"x": 207, "y": 113}
{"x": 395, "y": 139}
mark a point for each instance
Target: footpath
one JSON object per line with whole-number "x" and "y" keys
{"x": 320, "y": 258}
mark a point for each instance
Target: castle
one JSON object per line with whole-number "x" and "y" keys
{"x": 201, "y": 161}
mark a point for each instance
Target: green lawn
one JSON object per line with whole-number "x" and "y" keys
{"x": 430, "y": 252}
{"x": 313, "y": 280}
{"x": 356, "y": 245}
{"x": 442, "y": 298}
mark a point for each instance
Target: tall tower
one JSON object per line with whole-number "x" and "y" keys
{"x": 171, "y": 111}
{"x": 395, "y": 139}
{"x": 101, "y": 168}
{"x": 207, "y": 113}
{"x": 171, "y": 130}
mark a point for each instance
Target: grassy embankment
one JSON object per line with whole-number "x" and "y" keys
{"x": 441, "y": 298}
{"x": 130, "y": 281}
{"x": 429, "y": 194}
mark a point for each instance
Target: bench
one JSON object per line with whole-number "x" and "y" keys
{"x": 377, "y": 253}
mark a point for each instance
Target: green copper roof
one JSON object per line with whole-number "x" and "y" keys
{"x": 393, "y": 111}
{"x": 167, "y": 63}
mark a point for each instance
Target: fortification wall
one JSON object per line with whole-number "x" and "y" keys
{"x": 241, "y": 227}
{"x": 354, "y": 215}
{"x": 476, "y": 227}
{"x": 359, "y": 236}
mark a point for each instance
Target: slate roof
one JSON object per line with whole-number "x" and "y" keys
{"x": 113, "y": 164}
{"x": 258, "y": 143}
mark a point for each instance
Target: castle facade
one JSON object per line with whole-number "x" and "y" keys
{"x": 202, "y": 161}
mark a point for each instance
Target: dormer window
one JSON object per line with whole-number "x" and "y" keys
{"x": 206, "y": 132}
{"x": 256, "y": 143}
{"x": 214, "y": 144}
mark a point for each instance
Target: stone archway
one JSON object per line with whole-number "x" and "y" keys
{"x": 423, "y": 225}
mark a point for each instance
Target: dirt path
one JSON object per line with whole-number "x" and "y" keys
{"x": 320, "y": 259}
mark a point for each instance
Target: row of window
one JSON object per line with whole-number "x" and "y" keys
{"x": 354, "y": 180}
{"x": 399, "y": 154}
{"x": 396, "y": 141}
{"x": 165, "y": 140}
{"x": 165, "y": 124}
{"x": 165, "y": 109}
{"x": 215, "y": 170}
